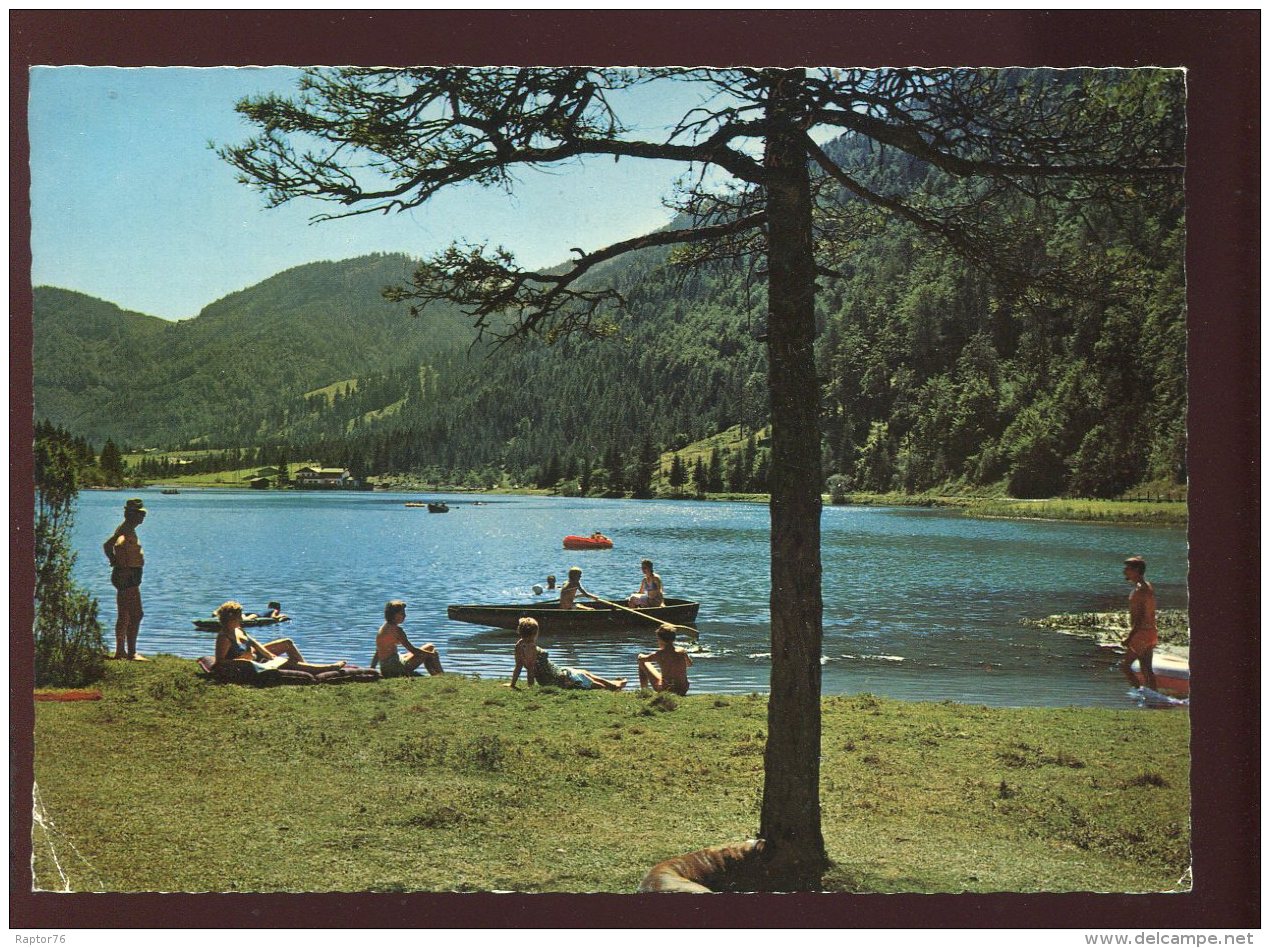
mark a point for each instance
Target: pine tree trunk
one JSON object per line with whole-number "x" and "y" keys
{"x": 795, "y": 849}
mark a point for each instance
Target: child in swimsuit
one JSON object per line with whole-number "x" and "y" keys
{"x": 572, "y": 589}
{"x": 673, "y": 662}
{"x": 540, "y": 670}
{"x": 390, "y": 636}
{"x": 1143, "y": 634}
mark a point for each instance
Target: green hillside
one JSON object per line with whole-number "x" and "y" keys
{"x": 84, "y": 349}
{"x": 1057, "y": 369}
{"x": 227, "y": 376}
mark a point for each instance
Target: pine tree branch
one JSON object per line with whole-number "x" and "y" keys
{"x": 909, "y": 140}
{"x": 488, "y": 284}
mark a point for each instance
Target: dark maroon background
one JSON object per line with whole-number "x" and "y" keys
{"x": 1221, "y": 51}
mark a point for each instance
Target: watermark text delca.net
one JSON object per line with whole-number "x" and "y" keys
{"x": 1169, "y": 938}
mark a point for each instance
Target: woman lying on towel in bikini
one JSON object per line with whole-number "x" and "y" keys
{"x": 236, "y": 650}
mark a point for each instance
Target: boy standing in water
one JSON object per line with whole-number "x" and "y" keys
{"x": 391, "y": 635}
{"x": 674, "y": 663}
{"x": 1143, "y": 635}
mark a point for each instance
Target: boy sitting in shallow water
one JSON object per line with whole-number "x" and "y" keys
{"x": 390, "y": 636}
{"x": 674, "y": 663}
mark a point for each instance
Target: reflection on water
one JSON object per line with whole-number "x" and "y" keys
{"x": 919, "y": 604}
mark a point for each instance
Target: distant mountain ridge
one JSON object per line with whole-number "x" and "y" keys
{"x": 80, "y": 345}
{"x": 105, "y": 372}
{"x": 931, "y": 373}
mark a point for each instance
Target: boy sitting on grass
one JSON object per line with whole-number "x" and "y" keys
{"x": 391, "y": 635}
{"x": 674, "y": 663}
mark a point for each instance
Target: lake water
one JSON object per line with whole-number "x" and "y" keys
{"x": 919, "y": 604}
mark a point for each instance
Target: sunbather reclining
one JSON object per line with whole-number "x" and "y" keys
{"x": 236, "y": 650}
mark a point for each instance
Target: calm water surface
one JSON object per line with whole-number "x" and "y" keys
{"x": 919, "y": 604}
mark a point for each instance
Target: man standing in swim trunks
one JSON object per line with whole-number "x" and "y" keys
{"x": 1143, "y": 635}
{"x": 123, "y": 550}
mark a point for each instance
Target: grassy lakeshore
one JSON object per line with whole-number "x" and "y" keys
{"x": 1162, "y": 513}
{"x": 171, "y": 783}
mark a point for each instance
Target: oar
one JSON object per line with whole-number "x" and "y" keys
{"x": 644, "y": 615}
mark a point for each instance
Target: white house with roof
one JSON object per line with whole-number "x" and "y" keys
{"x": 324, "y": 478}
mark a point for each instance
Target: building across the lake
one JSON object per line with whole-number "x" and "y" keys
{"x": 324, "y": 478}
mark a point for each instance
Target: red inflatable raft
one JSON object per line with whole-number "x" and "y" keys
{"x": 596, "y": 541}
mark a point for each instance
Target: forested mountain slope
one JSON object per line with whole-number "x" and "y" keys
{"x": 224, "y": 376}
{"x": 932, "y": 372}
{"x": 1062, "y": 371}
{"x": 82, "y": 347}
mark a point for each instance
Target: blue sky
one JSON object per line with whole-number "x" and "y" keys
{"x": 129, "y": 204}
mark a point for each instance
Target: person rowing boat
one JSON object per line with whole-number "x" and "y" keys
{"x": 572, "y": 589}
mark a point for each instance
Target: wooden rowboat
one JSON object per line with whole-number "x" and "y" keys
{"x": 598, "y": 617}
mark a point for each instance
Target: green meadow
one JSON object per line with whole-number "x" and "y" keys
{"x": 174, "y": 783}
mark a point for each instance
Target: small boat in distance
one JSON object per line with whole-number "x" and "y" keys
{"x": 415, "y": 503}
{"x": 438, "y": 507}
{"x": 596, "y": 541}
{"x": 595, "y": 617}
{"x": 212, "y": 625}
{"x": 169, "y": 490}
